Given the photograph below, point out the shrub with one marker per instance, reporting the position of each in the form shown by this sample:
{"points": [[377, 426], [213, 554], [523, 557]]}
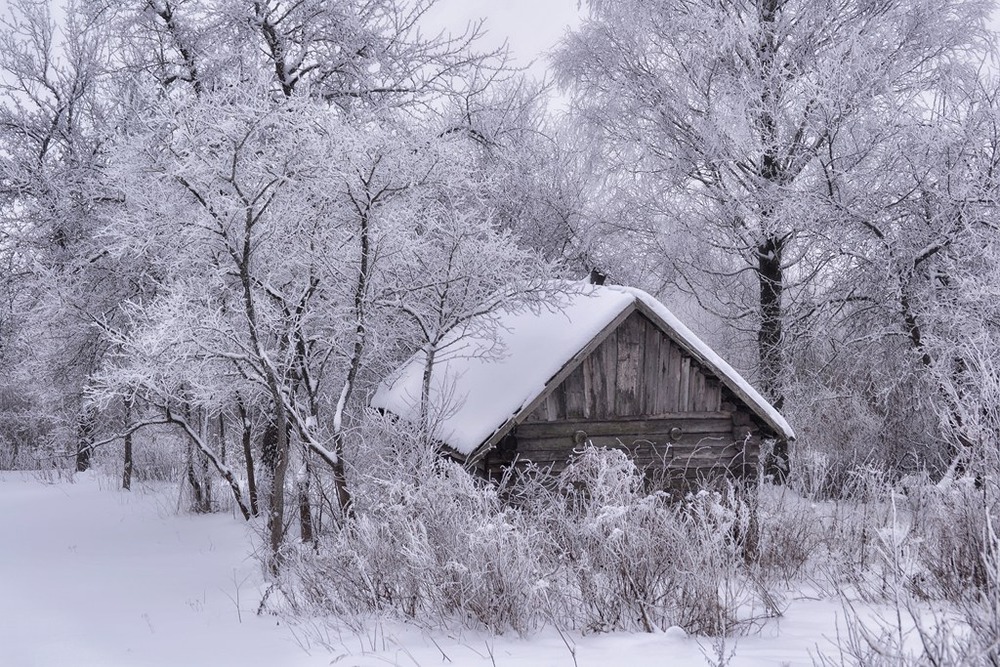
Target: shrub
{"points": [[589, 549]]}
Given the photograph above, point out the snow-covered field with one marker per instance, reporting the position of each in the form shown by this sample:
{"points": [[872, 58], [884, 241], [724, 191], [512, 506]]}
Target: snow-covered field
{"points": [[93, 576]]}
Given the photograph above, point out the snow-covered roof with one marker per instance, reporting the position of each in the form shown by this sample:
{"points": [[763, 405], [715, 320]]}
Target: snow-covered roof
{"points": [[486, 375]]}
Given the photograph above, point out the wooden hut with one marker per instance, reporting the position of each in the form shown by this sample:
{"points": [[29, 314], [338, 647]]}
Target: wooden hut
{"points": [[610, 366]]}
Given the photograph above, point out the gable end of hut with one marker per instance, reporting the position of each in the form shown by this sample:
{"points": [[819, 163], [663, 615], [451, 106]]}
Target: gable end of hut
{"points": [[637, 388]]}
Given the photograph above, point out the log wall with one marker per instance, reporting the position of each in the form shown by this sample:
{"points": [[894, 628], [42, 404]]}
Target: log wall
{"points": [[640, 392], [682, 448], [637, 371]]}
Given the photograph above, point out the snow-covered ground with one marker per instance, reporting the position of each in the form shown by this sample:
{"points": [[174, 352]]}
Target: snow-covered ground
{"points": [[90, 575], [93, 576]]}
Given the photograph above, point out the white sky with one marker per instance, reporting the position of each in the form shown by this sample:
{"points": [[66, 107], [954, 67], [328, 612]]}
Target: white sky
{"points": [[531, 27]]}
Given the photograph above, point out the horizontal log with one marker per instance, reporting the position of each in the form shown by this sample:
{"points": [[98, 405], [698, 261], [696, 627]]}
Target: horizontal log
{"points": [[691, 422], [704, 447], [676, 479], [648, 458], [659, 453], [705, 463], [563, 449], [707, 444], [627, 440], [552, 467], [641, 462]]}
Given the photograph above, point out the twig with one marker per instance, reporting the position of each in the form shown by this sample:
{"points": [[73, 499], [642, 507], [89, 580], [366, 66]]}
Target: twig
{"points": [[444, 655], [489, 650], [569, 647], [263, 600]]}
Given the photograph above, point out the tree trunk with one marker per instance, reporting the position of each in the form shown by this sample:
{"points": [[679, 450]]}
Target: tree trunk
{"points": [[248, 457], [276, 511], [222, 437], [769, 342], [340, 477], [85, 428], [770, 275], [962, 447], [197, 439], [200, 502], [127, 467], [360, 337], [425, 391], [306, 532]]}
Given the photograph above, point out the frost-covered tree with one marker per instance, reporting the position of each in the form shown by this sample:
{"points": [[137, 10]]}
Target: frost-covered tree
{"points": [[456, 272], [220, 208], [357, 56], [922, 252], [734, 128], [249, 247], [535, 186], [288, 242], [55, 122]]}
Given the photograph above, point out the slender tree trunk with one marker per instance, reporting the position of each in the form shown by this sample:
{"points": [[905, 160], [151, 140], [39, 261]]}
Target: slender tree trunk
{"points": [[197, 439], [199, 500], [206, 474], [360, 338], [276, 385], [127, 467], [962, 446], [222, 437], [340, 475], [276, 511], [425, 391], [248, 457], [191, 473], [306, 532], [85, 428]]}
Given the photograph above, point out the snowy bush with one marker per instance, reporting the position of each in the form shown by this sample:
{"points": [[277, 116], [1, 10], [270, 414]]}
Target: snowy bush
{"points": [[785, 532], [635, 561], [954, 524], [907, 629], [588, 550], [427, 542], [591, 550]]}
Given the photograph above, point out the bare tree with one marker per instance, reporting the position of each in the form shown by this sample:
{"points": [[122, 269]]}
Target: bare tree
{"points": [[732, 123], [55, 121]]}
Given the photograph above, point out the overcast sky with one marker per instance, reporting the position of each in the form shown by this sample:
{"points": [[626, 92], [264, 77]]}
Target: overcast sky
{"points": [[531, 27]]}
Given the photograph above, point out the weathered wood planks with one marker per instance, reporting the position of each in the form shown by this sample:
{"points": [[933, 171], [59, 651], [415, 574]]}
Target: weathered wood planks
{"points": [[638, 391], [720, 423], [637, 370]]}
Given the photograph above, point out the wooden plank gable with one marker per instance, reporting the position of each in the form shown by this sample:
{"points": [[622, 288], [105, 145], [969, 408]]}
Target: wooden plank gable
{"points": [[637, 370]]}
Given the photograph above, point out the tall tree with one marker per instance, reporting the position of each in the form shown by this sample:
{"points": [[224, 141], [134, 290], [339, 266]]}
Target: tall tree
{"points": [[728, 120], [55, 123], [922, 232]]}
